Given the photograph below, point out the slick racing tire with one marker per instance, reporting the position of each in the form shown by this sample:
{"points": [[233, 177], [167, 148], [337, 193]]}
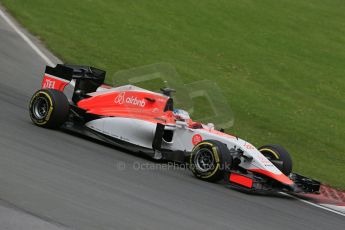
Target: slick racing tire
{"points": [[276, 153], [209, 160], [49, 108]]}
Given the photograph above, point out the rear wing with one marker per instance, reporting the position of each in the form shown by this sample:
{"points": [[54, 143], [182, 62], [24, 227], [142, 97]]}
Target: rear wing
{"points": [[87, 78], [57, 77]]}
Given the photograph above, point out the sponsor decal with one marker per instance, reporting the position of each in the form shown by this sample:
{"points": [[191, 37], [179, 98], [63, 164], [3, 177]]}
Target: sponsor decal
{"points": [[249, 146], [196, 139], [52, 82], [121, 98], [135, 101], [48, 84]]}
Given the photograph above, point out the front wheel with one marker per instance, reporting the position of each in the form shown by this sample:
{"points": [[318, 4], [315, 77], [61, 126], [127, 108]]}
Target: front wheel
{"points": [[209, 160], [49, 108], [279, 156]]}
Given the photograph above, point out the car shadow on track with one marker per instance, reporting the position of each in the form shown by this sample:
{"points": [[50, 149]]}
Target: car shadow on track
{"points": [[178, 164]]}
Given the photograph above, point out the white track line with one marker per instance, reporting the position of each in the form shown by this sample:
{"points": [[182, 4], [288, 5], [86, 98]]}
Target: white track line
{"points": [[25, 38], [49, 62], [313, 204]]}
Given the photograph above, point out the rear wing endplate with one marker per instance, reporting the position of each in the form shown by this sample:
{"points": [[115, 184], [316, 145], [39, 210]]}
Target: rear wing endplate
{"points": [[87, 78]]}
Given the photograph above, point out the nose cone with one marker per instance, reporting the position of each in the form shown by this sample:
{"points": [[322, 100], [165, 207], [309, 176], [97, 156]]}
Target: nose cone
{"points": [[278, 177]]}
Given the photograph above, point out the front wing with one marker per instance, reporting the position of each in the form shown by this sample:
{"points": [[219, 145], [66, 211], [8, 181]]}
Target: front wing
{"points": [[250, 182]]}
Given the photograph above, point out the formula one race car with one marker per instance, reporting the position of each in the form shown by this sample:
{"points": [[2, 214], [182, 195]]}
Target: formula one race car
{"points": [[147, 122]]}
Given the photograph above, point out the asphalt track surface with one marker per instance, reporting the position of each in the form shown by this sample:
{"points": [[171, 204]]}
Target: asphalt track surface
{"points": [[74, 183]]}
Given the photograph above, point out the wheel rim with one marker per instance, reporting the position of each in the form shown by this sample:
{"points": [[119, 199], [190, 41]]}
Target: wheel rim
{"points": [[40, 108], [204, 160]]}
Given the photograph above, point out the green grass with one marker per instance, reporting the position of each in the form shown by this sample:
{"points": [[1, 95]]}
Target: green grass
{"points": [[280, 64]]}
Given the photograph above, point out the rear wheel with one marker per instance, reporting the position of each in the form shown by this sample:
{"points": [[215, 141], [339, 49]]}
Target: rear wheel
{"points": [[49, 108], [209, 160], [279, 156]]}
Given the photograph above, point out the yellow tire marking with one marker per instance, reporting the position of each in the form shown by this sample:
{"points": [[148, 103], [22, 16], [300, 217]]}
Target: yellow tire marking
{"points": [[214, 172], [197, 146], [203, 143], [215, 154], [271, 151], [50, 109]]}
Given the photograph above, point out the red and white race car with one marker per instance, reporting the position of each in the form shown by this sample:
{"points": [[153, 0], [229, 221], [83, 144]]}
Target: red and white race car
{"points": [[146, 122]]}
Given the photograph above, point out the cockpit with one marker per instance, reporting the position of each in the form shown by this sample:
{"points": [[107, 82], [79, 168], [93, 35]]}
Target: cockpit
{"points": [[183, 116]]}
